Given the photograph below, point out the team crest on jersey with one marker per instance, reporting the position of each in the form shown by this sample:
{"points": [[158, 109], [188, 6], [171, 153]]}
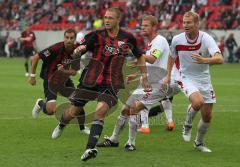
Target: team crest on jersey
{"points": [[120, 43], [46, 53], [82, 41]]}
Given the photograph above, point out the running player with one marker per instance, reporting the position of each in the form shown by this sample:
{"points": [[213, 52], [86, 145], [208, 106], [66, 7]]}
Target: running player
{"points": [[56, 67], [196, 51]]}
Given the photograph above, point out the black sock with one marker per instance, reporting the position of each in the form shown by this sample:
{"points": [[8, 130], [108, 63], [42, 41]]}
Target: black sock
{"points": [[42, 104], [61, 125], [155, 110], [26, 66], [81, 120], [95, 133]]}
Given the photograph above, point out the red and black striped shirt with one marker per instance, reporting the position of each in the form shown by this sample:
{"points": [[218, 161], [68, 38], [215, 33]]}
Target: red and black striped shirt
{"points": [[28, 44], [108, 56], [54, 55]]}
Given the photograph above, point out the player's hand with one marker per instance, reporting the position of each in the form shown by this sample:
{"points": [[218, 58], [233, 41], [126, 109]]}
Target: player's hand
{"points": [[32, 81], [79, 50], [60, 67], [145, 84], [167, 80], [198, 59]]}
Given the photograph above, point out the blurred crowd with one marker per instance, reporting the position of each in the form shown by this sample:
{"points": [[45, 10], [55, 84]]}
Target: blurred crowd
{"points": [[61, 14], [88, 15]]}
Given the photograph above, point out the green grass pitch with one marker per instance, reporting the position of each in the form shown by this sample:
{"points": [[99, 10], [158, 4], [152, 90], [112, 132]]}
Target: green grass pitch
{"points": [[27, 142]]}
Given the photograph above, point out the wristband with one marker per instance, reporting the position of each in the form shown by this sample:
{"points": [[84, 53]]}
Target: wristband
{"points": [[32, 75]]}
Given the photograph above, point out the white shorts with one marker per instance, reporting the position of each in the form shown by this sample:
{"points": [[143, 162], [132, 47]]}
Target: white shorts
{"points": [[150, 98], [189, 86]]}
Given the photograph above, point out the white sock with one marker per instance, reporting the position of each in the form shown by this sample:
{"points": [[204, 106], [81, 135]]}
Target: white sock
{"points": [[167, 106], [132, 129], [201, 131], [121, 121], [191, 113], [144, 118]]}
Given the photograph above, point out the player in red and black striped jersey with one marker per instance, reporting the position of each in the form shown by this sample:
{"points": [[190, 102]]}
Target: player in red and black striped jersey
{"points": [[28, 40], [58, 65], [103, 76]]}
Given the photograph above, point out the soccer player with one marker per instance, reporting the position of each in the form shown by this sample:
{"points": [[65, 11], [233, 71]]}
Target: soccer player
{"points": [[165, 106], [196, 51], [28, 40], [102, 78], [56, 67], [156, 61]]}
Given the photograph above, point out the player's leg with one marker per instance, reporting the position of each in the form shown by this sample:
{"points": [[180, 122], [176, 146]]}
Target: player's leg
{"points": [[26, 59], [121, 122], [122, 119], [81, 122], [106, 101], [134, 123], [189, 88], [203, 125], [69, 85], [133, 126], [144, 121], [74, 111], [48, 107], [95, 131], [71, 113], [27, 53], [167, 106], [197, 102]]}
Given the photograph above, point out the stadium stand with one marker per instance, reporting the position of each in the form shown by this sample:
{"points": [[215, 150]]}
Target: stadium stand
{"points": [[62, 14]]}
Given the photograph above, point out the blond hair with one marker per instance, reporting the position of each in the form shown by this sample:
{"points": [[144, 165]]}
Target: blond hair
{"points": [[117, 10], [153, 20], [193, 14]]}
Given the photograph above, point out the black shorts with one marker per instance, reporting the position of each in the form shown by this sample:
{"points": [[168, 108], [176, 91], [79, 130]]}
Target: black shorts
{"points": [[83, 95], [50, 95], [28, 52]]}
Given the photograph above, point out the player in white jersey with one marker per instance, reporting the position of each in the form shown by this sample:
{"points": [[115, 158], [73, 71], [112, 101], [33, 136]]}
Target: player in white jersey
{"points": [[156, 58], [196, 50], [165, 106]]}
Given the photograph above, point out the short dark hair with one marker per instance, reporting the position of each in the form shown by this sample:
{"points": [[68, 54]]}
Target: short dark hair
{"points": [[70, 30]]}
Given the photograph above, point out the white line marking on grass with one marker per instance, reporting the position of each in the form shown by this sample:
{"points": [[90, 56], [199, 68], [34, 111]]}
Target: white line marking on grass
{"points": [[19, 118], [29, 118]]}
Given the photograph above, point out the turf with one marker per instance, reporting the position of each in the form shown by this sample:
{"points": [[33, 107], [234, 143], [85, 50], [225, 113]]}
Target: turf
{"points": [[27, 142]]}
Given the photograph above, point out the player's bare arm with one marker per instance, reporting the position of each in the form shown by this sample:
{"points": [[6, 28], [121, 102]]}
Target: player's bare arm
{"points": [[80, 49], [66, 71], [142, 65], [32, 79], [170, 64], [215, 59], [150, 58]]}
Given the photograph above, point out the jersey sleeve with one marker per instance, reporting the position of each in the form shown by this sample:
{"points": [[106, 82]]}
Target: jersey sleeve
{"points": [[48, 53], [212, 46], [90, 40], [157, 49], [136, 51]]}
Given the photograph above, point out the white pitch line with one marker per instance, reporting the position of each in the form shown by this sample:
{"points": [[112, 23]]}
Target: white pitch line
{"points": [[19, 118], [29, 118]]}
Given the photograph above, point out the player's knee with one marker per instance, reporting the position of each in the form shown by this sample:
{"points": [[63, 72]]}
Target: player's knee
{"points": [[125, 111], [50, 110], [197, 104]]}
